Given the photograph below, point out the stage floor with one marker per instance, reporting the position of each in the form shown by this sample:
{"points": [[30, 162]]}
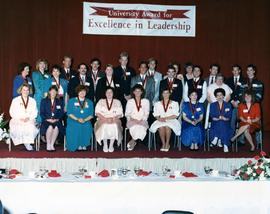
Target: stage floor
{"points": [[141, 151]]}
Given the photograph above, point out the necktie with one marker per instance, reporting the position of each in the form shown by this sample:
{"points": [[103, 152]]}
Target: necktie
{"points": [[212, 80]]}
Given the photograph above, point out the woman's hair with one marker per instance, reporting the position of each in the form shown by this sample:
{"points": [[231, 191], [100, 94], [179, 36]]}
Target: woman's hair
{"points": [[165, 89], [109, 88], [53, 87], [192, 91], [56, 67], [42, 60], [219, 90], [249, 92], [80, 88], [25, 85], [140, 87], [21, 67]]}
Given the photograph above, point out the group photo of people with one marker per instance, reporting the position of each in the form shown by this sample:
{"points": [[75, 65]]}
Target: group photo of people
{"points": [[77, 107]]}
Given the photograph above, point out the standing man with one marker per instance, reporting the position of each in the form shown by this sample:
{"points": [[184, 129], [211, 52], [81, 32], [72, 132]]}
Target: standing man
{"points": [[96, 73], [124, 74], [66, 71], [152, 64], [214, 70]]}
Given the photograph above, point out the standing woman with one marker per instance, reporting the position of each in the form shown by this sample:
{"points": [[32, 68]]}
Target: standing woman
{"points": [[60, 83], [109, 80], [220, 113], [137, 112], [192, 127], [166, 112], [52, 112], [250, 115], [108, 126], [21, 78], [39, 76], [80, 111], [23, 111]]}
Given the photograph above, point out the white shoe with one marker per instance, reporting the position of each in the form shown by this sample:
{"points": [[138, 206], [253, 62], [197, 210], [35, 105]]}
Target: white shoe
{"points": [[28, 147], [80, 148], [225, 148], [111, 149], [214, 141], [84, 148], [105, 147], [219, 144]]}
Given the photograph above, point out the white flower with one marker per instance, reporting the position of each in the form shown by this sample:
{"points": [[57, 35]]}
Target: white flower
{"points": [[249, 170], [255, 167], [254, 174]]}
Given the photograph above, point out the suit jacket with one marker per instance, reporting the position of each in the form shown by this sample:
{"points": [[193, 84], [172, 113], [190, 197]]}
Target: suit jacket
{"points": [[157, 78], [177, 89], [237, 92], [102, 85], [207, 80], [75, 81], [124, 78], [256, 86], [149, 87], [64, 75]]}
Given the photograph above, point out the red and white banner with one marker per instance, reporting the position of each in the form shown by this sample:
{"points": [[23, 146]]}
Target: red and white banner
{"points": [[138, 19]]}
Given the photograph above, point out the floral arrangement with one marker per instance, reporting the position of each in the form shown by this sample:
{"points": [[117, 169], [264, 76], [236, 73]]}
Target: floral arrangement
{"points": [[254, 170], [4, 135]]}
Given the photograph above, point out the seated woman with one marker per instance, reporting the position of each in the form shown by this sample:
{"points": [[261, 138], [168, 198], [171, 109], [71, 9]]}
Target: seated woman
{"points": [[250, 116], [60, 83], [220, 113], [80, 111], [21, 78], [192, 127], [166, 112], [23, 111], [108, 126], [51, 112], [137, 112]]}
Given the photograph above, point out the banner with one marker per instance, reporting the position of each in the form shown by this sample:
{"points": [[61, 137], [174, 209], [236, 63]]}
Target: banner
{"points": [[138, 19]]}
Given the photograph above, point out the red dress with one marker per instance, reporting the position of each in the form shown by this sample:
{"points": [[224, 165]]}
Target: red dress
{"points": [[253, 113]]}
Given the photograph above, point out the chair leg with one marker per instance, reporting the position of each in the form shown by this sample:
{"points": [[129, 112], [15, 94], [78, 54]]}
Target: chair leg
{"points": [[92, 142], [180, 143], [65, 142], [149, 140], [155, 142]]}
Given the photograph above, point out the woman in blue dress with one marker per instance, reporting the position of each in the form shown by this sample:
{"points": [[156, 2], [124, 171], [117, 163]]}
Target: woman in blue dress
{"points": [[192, 127], [220, 114], [21, 78], [80, 111], [60, 83], [39, 76], [52, 112]]}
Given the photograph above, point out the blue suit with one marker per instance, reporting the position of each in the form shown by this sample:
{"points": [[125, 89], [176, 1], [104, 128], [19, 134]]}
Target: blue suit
{"points": [[17, 84]]}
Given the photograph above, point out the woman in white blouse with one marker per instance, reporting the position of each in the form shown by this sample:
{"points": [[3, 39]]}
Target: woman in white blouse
{"points": [[108, 126], [23, 111], [166, 112], [137, 112]]}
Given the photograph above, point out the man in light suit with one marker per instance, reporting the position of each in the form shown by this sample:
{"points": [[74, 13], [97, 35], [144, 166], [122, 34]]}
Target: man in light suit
{"points": [[147, 82], [152, 64]]}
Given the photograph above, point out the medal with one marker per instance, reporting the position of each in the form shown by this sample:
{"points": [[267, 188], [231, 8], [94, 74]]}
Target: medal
{"points": [[25, 104], [192, 109], [138, 105], [109, 106], [221, 109], [57, 83], [53, 104], [81, 105], [109, 83], [144, 81], [165, 107], [170, 85]]}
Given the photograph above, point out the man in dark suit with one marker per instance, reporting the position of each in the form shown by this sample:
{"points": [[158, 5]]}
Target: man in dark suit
{"points": [[175, 85], [146, 81], [81, 79], [124, 74], [214, 70], [66, 71], [235, 82]]}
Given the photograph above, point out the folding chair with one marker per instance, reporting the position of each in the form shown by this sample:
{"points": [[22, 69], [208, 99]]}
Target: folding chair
{"points": [[36, 143]]}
